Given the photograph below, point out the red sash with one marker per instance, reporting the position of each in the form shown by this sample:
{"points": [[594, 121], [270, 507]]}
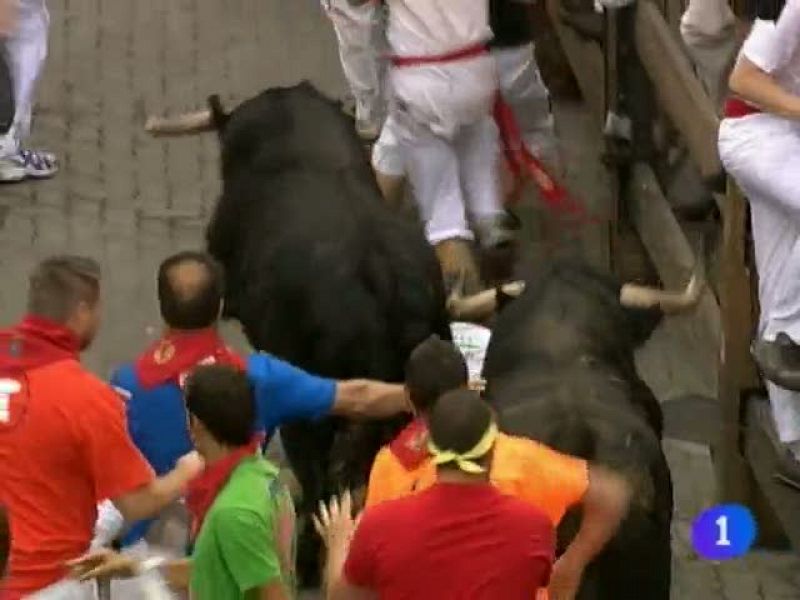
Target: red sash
{"points": [[456, 55], [736, 107], [410, 447], [204, 488], [35, 342], [171, 357]]}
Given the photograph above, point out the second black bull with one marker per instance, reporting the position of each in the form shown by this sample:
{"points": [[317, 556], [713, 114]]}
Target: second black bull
{"points": [[560, 369]]}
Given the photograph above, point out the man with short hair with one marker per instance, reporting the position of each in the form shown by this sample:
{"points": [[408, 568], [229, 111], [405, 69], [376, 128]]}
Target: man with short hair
{"points": [[526, 469], [64, 446], [460, 538], [190, 293], [245, 546]]}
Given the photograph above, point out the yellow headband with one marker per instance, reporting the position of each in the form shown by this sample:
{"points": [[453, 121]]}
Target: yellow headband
{"points": [[465, 461]]}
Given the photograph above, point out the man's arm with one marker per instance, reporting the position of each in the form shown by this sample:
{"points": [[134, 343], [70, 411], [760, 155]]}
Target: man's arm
{"points": [[605, 504], [759, 87], [286, 393], [118, 470], [370, 399], [149, 499]]}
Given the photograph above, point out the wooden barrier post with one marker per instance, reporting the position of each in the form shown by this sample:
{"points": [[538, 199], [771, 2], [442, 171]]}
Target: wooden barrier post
{"points": [[736, 371]]}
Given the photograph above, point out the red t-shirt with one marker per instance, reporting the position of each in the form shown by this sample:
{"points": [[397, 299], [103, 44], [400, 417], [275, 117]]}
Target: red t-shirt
{"points": [[452, 541], [64, 447]]}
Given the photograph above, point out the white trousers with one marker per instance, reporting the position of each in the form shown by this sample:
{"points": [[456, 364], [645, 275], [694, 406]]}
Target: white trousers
{"points": [[524, 90], [762, 152], [360, 33], [455, 181], [26, 51], [708, 31], [447, 141], [522, 87]]}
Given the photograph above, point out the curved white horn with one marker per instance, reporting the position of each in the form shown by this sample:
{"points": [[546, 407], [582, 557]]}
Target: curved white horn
{"points": [[639, 296], [481, 305], [183, 124]]}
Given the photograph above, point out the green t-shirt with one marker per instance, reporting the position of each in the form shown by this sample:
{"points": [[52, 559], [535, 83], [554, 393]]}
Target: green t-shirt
{"points": [[247, 539]]}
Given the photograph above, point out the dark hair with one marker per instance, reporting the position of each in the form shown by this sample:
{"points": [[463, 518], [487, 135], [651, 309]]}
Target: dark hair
{"points": [[221, 397], [190, 303], [60, 283], [434, 367], [458, 420]]}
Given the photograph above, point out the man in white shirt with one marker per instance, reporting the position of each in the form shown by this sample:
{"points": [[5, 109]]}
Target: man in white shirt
{"points": [[759, 143]]}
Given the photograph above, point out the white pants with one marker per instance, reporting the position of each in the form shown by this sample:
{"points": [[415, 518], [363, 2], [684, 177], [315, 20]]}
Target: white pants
{"points": [[361, 36], [455, 180], [524, 90], [708, 31], [440, 116], [522, 87], [26, 50], [762, 152]]}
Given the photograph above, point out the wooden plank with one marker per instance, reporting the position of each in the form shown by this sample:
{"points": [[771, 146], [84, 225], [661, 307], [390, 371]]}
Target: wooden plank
{"points": [[760, 450], [587, 62], [680, 93], [737, 372]]}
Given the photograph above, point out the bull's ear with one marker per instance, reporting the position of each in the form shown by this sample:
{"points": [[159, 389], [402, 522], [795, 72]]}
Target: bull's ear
{"points": [[218, 115]]}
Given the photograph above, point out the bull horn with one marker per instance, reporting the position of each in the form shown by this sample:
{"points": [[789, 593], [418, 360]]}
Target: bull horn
{"points": [[670, 302], [184, 124], [482, 305]]}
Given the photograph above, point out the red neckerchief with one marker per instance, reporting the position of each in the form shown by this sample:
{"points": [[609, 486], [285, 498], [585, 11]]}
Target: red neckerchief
{"points": [[204, 488], [178, 352], [36, 342], [410, 446]]}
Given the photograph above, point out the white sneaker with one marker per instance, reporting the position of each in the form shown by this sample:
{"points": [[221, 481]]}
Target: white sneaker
{"points": [[32, 164]]}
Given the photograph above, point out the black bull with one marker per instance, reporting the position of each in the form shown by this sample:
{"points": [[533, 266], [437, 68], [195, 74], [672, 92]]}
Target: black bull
{"points": [[320, 271], [560, 369]]}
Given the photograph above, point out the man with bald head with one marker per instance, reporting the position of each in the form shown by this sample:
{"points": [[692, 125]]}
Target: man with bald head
{"points": [[190, 293]]}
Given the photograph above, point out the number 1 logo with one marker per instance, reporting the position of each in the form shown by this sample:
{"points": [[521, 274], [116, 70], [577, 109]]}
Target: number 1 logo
{"points": [[724, 531]]}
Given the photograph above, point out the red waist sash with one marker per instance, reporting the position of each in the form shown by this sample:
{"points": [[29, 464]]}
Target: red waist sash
{"points": [[736, 108], [456, 55]]}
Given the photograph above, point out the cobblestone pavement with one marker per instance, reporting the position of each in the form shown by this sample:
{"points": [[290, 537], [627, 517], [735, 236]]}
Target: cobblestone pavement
{"points": [[129, 200]]}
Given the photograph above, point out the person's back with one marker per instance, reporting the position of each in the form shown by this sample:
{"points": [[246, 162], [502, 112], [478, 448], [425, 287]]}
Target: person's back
{"points": [[454, 541], [63, 444], [433, 27], [253, 494]]}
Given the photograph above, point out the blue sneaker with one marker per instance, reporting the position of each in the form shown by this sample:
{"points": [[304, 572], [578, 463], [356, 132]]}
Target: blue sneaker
{"points": [[28, 164]]}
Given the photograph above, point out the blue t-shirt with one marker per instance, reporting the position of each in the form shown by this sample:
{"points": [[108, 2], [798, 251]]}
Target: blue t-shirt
{"points": [[285, 393], [157, 416]]}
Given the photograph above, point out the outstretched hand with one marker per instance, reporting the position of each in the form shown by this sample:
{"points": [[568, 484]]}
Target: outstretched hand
{"points": [[103, 563], [334, 522]]}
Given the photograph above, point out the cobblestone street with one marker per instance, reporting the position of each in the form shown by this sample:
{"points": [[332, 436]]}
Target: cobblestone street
{"points": [[129, 200]]}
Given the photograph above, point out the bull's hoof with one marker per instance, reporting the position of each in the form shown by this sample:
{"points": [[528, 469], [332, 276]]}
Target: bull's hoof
{"points": [[779, 361]]}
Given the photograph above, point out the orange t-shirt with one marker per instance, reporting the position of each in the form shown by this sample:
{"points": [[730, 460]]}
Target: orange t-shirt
{"points": [[528, 470], [64, 447]]}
